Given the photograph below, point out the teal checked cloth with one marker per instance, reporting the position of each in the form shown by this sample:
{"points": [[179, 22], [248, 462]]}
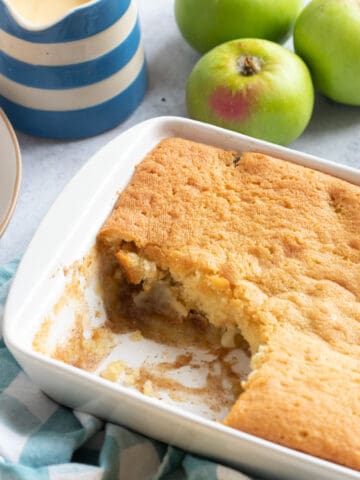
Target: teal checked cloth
{"points": [[41, 440]]}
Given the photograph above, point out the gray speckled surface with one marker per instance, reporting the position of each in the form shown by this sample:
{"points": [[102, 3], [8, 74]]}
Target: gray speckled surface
{"points": [[333, 133]]}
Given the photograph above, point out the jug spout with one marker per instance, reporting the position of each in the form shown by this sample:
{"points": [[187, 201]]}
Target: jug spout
{"points": [[41, 14]]}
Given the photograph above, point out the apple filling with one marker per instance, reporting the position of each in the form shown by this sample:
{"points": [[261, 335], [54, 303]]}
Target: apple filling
{"points": [[138, 294]]}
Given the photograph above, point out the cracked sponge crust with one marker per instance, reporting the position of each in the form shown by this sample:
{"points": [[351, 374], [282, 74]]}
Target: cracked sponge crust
{"points": [[273, 248]]}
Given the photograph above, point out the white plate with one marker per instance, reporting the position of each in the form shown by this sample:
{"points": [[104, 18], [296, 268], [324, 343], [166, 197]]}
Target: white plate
{"points": [[66, 235], [10, 171]]}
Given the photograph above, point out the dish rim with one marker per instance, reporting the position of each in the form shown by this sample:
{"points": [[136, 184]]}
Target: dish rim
{"points": [[6, 219], [68, 370]]}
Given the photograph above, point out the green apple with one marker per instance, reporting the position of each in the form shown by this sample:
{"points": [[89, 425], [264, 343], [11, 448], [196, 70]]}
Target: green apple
{"points": [[254, 87], [327, 37], [207, 23]]}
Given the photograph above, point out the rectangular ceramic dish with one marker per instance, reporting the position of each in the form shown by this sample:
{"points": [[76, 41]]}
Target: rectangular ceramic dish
{"points": [[65, 236]]}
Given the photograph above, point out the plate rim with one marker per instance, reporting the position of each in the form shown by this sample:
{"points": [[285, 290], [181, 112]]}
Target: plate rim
{"points": [[6, 219]]}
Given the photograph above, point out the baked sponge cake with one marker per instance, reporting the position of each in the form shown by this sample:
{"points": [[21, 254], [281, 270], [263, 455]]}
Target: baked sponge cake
{"points": [[258, 244]]}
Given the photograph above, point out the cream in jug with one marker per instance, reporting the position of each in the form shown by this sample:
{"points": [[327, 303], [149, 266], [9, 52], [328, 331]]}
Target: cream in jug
{"points": [[43, 12]]}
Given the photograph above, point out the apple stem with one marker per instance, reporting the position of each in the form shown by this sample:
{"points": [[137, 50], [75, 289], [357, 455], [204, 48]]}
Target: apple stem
{"points": [[249, 65]]}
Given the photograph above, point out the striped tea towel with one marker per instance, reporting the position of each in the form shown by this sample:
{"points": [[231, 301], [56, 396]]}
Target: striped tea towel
{"points": [[41, 440]]}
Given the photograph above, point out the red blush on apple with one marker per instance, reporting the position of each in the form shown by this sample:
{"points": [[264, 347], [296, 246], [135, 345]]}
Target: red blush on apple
{"points": [[229, 105]]}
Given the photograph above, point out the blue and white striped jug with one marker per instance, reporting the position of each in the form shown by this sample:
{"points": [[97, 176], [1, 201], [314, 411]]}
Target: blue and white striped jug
{"points": [[74, 78]]}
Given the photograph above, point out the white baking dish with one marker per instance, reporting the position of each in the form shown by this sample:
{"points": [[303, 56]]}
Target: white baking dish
{"points": [[67, 234]]}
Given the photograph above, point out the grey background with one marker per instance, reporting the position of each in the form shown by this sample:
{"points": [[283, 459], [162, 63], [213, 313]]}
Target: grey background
{"points": [[333, 133]]}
